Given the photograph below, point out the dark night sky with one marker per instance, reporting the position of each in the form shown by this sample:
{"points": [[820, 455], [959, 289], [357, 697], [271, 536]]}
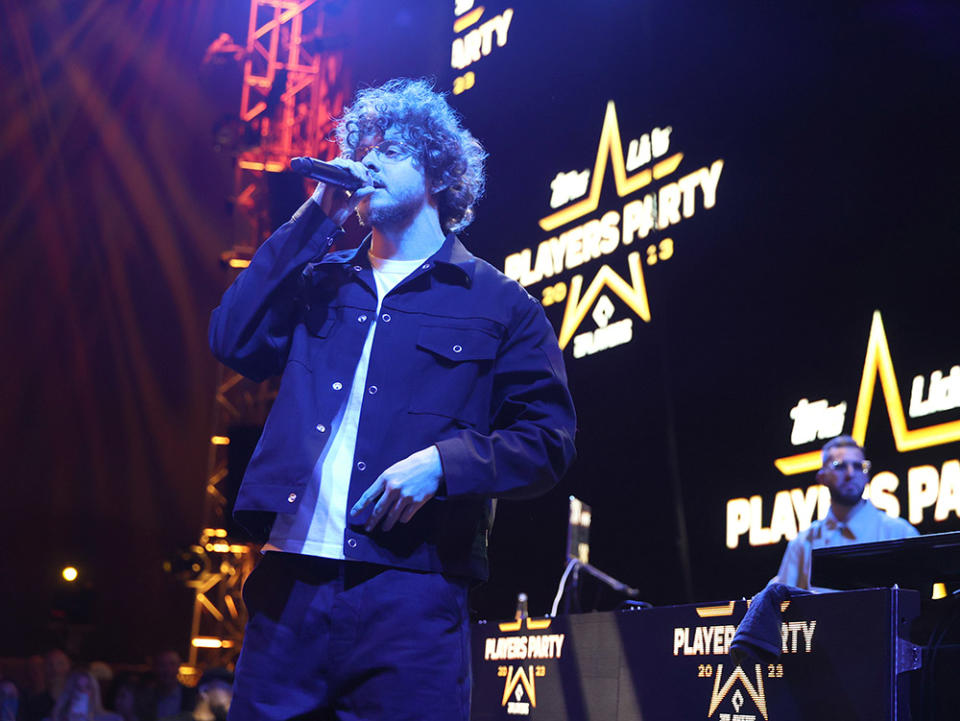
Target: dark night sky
{"points": [[837, 128]]}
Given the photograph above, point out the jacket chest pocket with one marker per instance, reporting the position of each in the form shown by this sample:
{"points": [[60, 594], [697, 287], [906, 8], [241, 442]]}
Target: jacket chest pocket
{"points": [[453, 372], [318, 325]]}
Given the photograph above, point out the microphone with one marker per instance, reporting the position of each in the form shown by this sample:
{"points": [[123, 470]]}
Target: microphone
{"points": [[326, 173]]}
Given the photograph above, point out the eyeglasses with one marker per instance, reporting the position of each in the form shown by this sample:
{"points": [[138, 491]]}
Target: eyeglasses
{"points": [[857, 466], [390, 150]]}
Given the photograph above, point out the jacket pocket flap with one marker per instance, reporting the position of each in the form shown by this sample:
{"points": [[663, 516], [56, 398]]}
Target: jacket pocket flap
{"points": [[319, 321], [458, 344]]}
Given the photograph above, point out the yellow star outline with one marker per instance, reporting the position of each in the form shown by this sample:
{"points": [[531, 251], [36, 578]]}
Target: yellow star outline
{"points": [[524, 678], [533, 624], [610, 147], [726, 609], [756, 693], [634, 294], [878, 363]]}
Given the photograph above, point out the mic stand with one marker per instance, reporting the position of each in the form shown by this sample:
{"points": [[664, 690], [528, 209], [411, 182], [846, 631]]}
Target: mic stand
{"points": [[574, 566]]}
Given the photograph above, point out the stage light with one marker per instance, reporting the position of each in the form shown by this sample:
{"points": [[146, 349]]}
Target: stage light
{"points": [[237, 257], [220, 440], [210, 642], [189, 565], [70, 574]]}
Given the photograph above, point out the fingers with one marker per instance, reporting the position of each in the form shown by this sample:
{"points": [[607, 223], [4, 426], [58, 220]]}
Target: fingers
{"points": [[367, 498], [393, 505], [402, 510], [396, 511], [379, 510], [411, 510]]}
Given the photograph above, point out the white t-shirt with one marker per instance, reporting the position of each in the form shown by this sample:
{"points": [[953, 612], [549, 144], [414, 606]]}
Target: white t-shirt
{"points": [[317, 528]]}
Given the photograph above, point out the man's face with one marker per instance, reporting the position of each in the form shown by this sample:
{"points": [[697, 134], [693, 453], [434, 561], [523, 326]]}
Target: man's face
{"points": [[402, 189], [57, 665], [844, 475]]}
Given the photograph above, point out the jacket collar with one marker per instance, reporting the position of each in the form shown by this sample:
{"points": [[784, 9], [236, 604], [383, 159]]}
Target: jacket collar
{"points": [[858, 521], [451, 254]]}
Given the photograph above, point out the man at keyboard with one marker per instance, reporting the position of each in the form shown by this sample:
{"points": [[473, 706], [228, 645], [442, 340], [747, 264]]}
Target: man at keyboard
{"points": [[851, 519]]}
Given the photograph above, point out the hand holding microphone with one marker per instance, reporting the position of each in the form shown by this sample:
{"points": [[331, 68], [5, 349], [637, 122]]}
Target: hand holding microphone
{"points": [[343, 184]]}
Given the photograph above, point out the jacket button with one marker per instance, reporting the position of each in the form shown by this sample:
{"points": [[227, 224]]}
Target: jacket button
{"points": [[372, 390], [337, 385], [425, 266], [457, 348], [291, 498], [357, 268], [385, 317], [352, 542], [362, 319], [322, 428], [361, 466]]}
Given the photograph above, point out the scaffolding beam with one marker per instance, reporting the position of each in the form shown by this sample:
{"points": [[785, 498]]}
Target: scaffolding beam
{"points": [[293, 88]]}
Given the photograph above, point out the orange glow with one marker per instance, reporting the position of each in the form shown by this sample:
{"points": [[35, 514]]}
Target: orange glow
{"points": [[271, 166], [208, 642], [238, 262], [507, 626], [716, 611], [878, 362], [800, 463], [220, 440], [538, 624], [467, 20], [70, 574]]}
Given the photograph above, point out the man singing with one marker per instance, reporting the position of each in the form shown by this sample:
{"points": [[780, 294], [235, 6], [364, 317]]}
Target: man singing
{"points": [[418, 383]]}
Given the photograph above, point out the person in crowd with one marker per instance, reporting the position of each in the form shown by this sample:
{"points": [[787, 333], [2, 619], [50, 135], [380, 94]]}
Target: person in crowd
{"points": [[166, 696], [851, 519], [9, 699], [102, 672], [80, 700], [124, 697], [418, 384], [57, 667], [36, 678], [47, 678], [214, 694]]}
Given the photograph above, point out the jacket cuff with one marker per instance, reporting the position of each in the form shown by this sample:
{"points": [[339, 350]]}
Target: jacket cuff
{"points": [[456, 461], [322, 230]]}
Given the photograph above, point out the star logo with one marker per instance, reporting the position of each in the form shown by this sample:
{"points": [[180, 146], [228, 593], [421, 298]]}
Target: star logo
{"points": [[754, 690]]}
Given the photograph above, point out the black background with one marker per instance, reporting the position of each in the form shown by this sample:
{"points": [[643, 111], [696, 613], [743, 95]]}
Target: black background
{"points": [[836, 124]]}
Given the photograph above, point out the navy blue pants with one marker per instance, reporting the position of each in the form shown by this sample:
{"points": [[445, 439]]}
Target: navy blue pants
{"points": [[352, 641]]}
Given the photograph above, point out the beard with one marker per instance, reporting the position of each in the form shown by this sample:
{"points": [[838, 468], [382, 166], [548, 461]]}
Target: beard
{"points": [[849, 496], [397, 212]]}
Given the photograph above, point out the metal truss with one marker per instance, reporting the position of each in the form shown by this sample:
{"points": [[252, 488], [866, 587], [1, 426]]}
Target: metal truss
{"points": [[293, 87]]}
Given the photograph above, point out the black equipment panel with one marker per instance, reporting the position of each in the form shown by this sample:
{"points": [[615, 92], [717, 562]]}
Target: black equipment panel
{"points": [[843, 654]]}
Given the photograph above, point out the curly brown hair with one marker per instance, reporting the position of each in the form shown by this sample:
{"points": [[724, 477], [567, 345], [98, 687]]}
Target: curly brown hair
{"points": [[451, 157]]}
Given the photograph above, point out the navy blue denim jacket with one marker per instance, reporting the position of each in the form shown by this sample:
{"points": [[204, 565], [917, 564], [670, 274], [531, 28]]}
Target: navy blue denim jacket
{"points": [[463, 358]]}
